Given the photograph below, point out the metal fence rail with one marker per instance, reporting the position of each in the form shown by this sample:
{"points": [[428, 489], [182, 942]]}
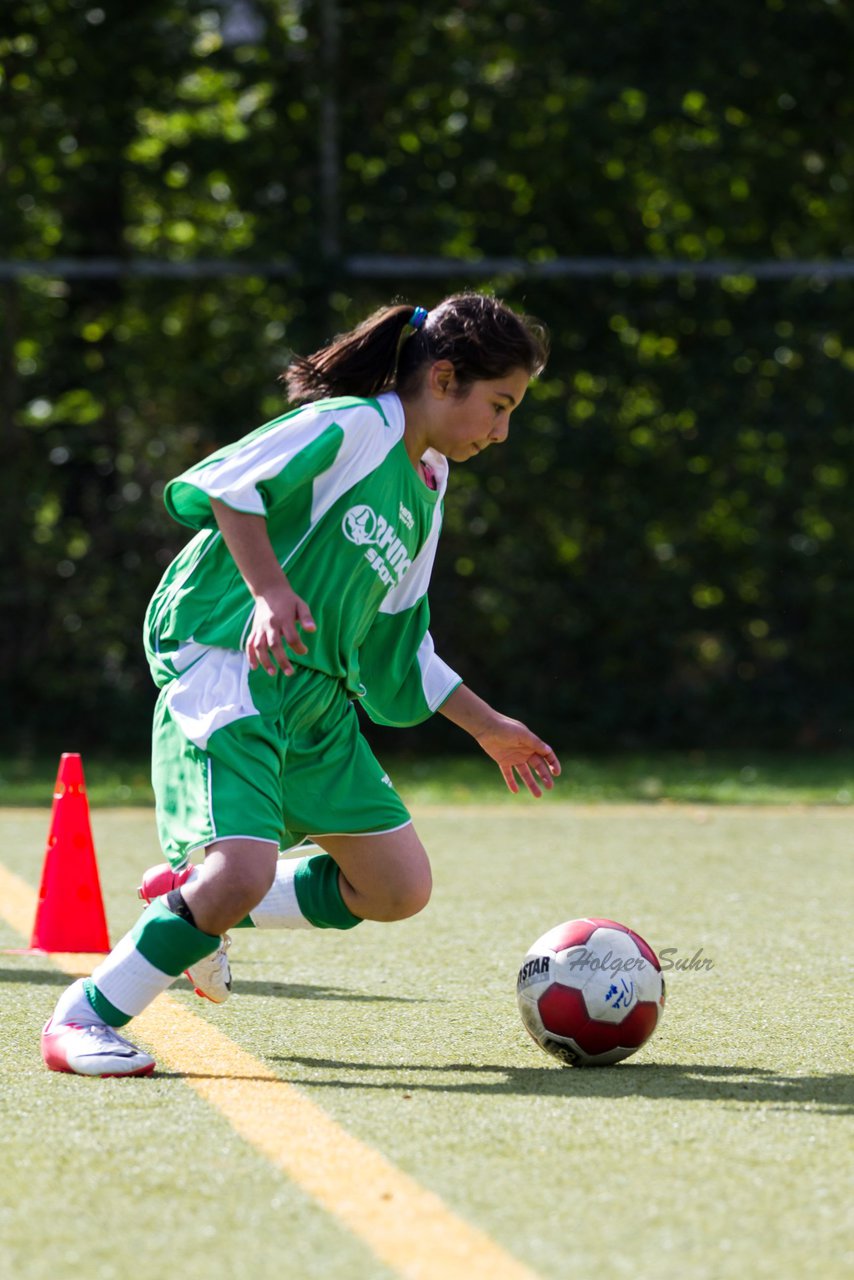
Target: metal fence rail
{"points": [[384, 266]]}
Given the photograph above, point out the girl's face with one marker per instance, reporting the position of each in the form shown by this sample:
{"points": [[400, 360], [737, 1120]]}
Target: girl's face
{"points": [[466, 421]]}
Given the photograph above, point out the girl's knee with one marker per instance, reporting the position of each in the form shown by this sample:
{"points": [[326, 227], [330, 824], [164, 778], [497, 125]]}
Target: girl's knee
{"points": [[234, 879], [406, 899], [386, 877]]}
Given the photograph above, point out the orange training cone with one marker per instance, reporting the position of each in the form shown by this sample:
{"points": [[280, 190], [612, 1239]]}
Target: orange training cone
{"points": [[70, 914]]}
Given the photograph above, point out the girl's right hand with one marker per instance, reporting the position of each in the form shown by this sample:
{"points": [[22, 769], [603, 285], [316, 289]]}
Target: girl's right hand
{"points": [[279, 615]]}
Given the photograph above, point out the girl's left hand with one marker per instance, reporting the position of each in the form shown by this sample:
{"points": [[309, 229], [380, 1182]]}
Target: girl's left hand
{"points": [[517, 750]]}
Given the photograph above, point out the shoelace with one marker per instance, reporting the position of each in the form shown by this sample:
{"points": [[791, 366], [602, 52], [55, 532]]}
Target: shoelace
{"points": [[100, 1032], [217, 957]]}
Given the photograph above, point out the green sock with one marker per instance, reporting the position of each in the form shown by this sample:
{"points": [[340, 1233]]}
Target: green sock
{"points": [[145, 962], [305, 894], [318, 890]]}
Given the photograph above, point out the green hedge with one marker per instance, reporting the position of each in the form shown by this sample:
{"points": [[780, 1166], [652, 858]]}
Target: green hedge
{"points": [[661, 554]]}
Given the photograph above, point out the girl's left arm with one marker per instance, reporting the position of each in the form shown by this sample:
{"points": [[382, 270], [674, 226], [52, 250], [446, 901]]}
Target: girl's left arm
{"points": [[511, 744]]}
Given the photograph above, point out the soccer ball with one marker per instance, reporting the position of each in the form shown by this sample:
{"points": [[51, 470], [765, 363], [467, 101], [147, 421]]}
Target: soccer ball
{"points": [[590, 992]]}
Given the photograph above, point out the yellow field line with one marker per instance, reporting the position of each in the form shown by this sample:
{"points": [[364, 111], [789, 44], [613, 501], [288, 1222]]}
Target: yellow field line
{"points": [[408, 1227]]}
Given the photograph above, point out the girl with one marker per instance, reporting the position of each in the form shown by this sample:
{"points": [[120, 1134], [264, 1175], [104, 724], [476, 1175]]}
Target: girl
{"points": [[303, 592]]}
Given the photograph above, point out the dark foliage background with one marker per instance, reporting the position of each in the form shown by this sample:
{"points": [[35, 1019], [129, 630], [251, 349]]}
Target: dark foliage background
{"points": [[662, 553]]}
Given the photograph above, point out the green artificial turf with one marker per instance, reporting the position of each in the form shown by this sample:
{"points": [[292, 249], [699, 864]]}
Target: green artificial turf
{"points": [[717, 1152]]}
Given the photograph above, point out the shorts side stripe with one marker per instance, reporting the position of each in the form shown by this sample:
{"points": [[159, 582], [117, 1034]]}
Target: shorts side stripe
{"points": [[384, 831], [211, 822]]}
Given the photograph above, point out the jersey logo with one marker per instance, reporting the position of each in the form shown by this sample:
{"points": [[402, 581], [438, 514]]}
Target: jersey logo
{"points": [[360, 525], [385, 552]]}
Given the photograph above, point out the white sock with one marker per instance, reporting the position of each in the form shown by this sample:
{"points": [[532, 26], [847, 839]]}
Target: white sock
{"points": [[73, 1006], [280, 908]]}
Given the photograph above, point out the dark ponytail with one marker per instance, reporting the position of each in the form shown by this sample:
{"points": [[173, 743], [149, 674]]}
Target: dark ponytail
{"points": [[481, 337]]}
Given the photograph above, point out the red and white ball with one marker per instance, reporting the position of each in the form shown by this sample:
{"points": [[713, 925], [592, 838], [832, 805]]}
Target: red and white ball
{"points": [[590, 992]]}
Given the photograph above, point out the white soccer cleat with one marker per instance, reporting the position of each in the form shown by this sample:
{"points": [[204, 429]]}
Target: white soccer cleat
{"points": [[92, 1049], [211, 977]]}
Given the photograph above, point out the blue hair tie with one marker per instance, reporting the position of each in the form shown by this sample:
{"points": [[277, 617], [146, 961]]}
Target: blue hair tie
{"points": [[418, 317]]}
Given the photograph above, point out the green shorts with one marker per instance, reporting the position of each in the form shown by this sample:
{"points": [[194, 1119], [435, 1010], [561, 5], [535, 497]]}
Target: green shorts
{"points": [[240, 753]]}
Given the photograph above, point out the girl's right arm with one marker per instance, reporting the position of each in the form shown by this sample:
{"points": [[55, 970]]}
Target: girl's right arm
{"points": [[279, 611]]}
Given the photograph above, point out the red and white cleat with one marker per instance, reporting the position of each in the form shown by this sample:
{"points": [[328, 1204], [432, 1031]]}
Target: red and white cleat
{"points": [[162, 879], [211, 976], [92, 1049]]}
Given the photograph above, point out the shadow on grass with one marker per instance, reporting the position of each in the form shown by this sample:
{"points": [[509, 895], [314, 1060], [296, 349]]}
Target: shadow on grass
{"points": [[306, 991], [683, 1082], [676, 1081], [36, 977], [687, 1082], [284, 990]]}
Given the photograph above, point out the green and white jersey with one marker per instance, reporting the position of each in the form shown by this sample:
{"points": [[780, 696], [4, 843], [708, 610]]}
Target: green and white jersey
{"points": [[354, 527]]}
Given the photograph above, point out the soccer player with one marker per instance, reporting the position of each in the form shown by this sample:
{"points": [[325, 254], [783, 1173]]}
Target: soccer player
{"points": [[302, 593]]}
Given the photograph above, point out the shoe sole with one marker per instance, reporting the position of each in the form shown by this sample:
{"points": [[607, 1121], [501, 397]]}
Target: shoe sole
{"points": [[202, 994], [103, 1075]]}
